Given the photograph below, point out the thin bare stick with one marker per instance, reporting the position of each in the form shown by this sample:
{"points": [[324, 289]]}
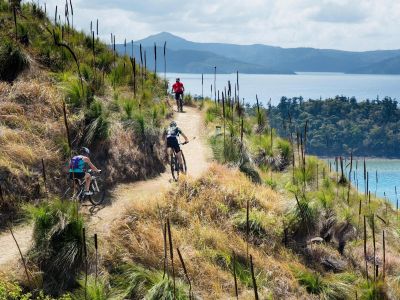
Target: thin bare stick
{"points": [[247, 229], [253, 277], [22, 256], [96, 262], [185, 271], [234, 275], [171, 250], [365, 247]]}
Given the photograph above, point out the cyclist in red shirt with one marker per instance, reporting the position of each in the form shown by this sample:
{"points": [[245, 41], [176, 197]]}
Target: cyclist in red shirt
{"points": [[178, 89]]}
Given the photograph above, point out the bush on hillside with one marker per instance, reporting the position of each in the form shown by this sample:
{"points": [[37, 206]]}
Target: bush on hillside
{"points": [[12, 61], [58, 243], [137, 282]]}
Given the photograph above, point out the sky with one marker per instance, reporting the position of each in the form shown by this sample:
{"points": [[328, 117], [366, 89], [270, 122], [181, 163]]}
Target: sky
{"points": [[334, 24]]}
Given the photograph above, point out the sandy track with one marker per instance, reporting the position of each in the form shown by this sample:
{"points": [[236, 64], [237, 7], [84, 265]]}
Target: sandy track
{"points": [[197, 156]]}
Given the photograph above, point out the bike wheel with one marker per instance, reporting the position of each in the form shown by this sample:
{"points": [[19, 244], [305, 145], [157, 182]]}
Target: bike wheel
{"points": [[184, 167], [174, 167], [97, 198], [98, 194], [72, 193]]}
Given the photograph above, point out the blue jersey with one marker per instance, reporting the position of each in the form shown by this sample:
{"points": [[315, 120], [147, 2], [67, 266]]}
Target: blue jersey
{"points": [[77, 164]]}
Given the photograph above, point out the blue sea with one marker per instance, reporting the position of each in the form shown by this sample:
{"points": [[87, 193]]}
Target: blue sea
{"points": [[307, 85], [383, 176]]}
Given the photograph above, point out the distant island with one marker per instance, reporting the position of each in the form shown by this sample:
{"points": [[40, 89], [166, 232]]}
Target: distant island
{"points": [[185, 56], [341, 125]]}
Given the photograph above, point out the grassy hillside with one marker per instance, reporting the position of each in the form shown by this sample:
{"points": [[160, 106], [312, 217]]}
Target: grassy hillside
{"points": [[109, 108], [266, 219], [283, 227]]}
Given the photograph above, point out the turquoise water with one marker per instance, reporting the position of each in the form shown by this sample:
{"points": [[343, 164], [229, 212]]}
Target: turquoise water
{"points": [[307, 85], [388, 171]]}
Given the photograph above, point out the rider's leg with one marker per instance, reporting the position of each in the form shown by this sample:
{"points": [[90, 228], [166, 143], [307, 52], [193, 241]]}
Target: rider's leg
{"points": [[88, 178], [169, 151]]}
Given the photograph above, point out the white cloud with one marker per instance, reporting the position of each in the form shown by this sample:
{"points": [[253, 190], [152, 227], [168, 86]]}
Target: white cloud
{"points": [[339, 24]]}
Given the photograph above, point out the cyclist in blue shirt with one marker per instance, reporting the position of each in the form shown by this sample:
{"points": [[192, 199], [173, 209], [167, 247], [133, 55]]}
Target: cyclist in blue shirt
{"points": [[79, 167]]}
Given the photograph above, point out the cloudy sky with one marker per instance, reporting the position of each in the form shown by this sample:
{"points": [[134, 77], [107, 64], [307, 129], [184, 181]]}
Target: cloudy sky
{"points": [[338, 24]]}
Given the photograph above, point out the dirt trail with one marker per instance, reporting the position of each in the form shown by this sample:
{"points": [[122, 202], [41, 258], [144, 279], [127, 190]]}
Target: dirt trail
{"points": [[197, 157]]}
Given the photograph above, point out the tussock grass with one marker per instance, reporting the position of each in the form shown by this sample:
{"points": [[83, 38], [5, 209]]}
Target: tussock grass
{"points": [[207, 224], [12, 60], [58, 243]]}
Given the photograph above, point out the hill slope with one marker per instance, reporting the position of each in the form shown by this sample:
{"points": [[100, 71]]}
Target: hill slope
{"points": [[197, 61], [283, 59], [106, 109]]}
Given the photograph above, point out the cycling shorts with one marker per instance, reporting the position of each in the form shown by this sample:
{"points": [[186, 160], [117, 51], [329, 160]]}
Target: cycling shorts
{"points": [[76, 175], [172, 142]]}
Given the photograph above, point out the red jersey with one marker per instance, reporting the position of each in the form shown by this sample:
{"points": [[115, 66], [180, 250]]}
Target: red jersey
{"points": [[177, 87]]}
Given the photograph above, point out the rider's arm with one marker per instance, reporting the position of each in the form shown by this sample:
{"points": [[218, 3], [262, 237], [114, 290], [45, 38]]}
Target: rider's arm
{"points": [[185, 137], [91, 165]]}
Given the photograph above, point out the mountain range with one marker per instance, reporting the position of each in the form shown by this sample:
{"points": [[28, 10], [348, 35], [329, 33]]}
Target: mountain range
{"points": [[185, 56]]}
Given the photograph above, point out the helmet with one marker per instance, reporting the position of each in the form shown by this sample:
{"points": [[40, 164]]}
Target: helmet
{"points": [[172, 124], [85, 151], [178, 79]]}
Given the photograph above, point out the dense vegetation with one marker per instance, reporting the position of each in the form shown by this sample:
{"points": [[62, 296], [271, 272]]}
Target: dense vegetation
{"points": [[112, 105], [342, 125]]}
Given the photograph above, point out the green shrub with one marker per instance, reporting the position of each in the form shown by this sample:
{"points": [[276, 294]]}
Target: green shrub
{"points": [[128, 105], [12, 61], [74, 93], [98, 125], [340, 286], [4, 6], [104, 61], [23, 35], [136, 282], [87, 72], [188, 100], [58, 243], [257, 222], [272, 183], [212, 113], [285, 150], [95, 290]]}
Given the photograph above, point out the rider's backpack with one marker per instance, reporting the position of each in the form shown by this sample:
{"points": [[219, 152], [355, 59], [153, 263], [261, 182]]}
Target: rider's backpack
{"points": [[76, 164]]}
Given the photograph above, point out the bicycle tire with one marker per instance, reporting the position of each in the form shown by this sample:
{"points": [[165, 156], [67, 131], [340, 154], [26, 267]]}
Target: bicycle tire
{"points": [[184, 163], [174, 169], [70, 195], [97, 198]]}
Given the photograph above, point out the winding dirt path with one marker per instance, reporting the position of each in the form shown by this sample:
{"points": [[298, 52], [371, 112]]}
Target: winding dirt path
{"points": [[197, 156]]}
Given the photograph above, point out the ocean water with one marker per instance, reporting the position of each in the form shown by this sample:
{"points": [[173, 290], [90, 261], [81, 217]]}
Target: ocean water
{"points": [[383, 176], [307, 85]]}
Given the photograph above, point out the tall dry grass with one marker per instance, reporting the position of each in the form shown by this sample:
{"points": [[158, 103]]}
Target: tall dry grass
{"points": [[203, 214]]}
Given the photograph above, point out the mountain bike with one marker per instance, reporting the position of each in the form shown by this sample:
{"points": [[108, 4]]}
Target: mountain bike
{"points": [[174, 164], [77, 190]]}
